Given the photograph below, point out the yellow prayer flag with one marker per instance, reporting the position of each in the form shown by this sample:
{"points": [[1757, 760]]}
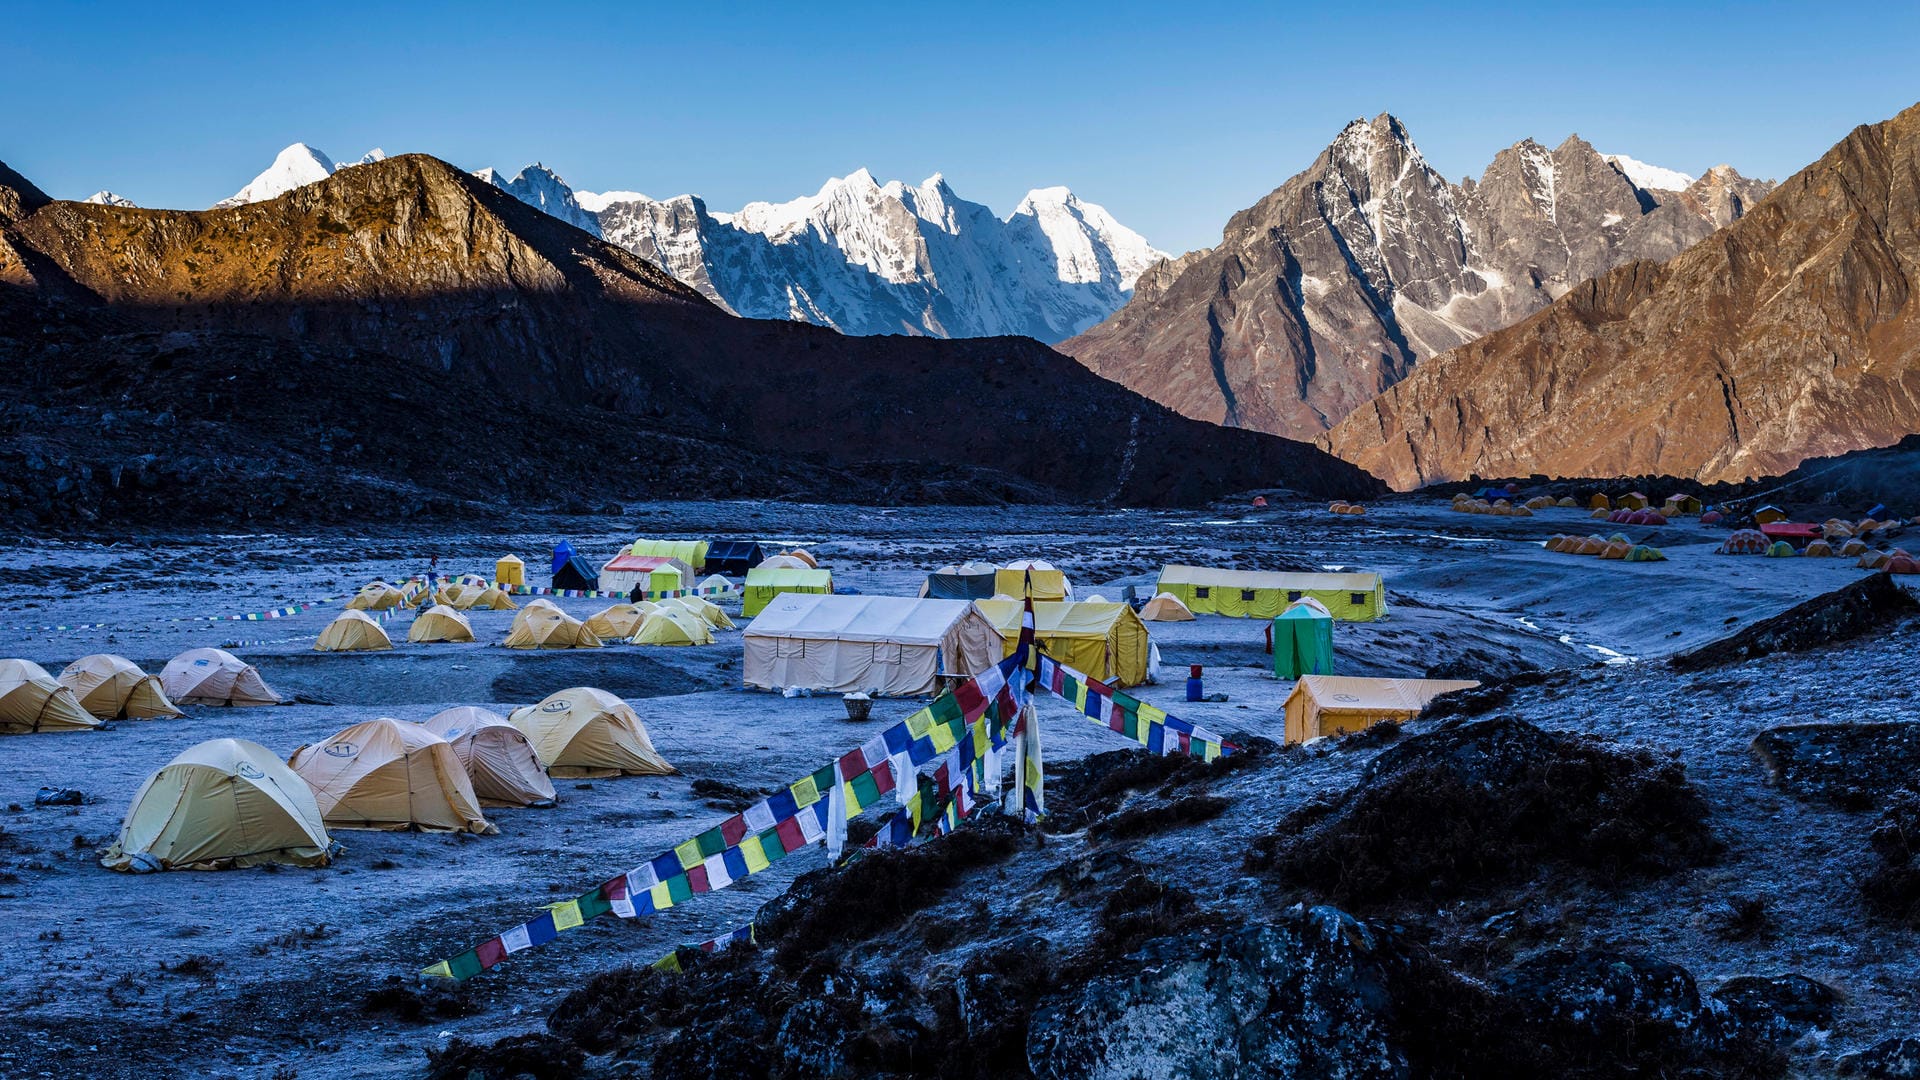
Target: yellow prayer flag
{"points": [[437, 971], [756, 856], [566, 914], [688, 852], [805, 792], [942, 736], [662, 897], [919, 722]]}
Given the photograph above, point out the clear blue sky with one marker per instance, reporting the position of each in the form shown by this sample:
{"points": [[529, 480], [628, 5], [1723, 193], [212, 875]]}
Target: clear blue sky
{"points": [[1173, 115]]}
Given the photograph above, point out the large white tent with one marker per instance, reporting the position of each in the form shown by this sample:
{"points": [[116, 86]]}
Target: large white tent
{"points": [[893, 644]]}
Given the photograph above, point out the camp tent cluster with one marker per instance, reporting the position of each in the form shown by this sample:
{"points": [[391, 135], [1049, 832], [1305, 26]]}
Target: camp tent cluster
{"points": [[1499, 507], [1605, 547]]}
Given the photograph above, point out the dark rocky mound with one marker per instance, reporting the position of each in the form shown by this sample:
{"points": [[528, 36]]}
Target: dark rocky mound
{"points": [[1851, 766], [1892, 888], [518, 1057], [1892, 1059], [1484, 803], [1851, 611]]}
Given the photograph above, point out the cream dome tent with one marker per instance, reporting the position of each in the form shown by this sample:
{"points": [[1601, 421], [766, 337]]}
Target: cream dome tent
{"points": [[588, 732], [222, 804], [671, 624], [1047, 582], [715, 585], [1165, 607], [376, 596], [440, 623], [214, 677], [781, 562], [804, 556], [542, 625], [896, 645], [353, 631], [113, 688], [387, 775], [497, 756], [618, 620], [704, 608], [1338, 704], [1105, 641], [32, 700]]}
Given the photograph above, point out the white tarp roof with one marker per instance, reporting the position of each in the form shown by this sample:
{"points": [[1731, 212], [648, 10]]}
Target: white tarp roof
{"points": [[827, 617]]}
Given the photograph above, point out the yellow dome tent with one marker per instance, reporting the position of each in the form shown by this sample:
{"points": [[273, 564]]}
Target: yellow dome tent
{"points": [[1165, 607], [214, 677], [489, 599], [376, 596], [497, 756], [1323, 705], [114, 688], [1105, 641], [586, 732], [440, 623], [671, 624], [618, 620], [706, 609], [32, 700], [222, 804], [542, 625], [386, 775], [1567, 501], [353, 631]]}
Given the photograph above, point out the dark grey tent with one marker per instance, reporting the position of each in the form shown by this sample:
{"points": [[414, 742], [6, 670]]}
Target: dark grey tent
{"points": [[973, 581], [578, 573], [733, 556]]}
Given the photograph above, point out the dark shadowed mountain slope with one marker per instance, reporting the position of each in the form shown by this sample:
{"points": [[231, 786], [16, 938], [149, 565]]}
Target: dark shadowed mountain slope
{"points": [[1791, 333], [472, 310]]}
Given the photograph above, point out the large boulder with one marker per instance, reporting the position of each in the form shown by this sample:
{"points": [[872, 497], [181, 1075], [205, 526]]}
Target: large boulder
{"points": [[1845, 613], [1487, 802], [1892, 888]]}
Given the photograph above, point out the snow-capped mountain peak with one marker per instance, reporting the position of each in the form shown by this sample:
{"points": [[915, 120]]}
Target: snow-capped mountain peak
{"points": [[543, 189], [108, 198], [596, 201], [295, 167], [1649, 177]]}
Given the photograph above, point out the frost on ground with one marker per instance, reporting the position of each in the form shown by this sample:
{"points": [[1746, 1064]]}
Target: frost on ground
{"points": [[1739, 941]]}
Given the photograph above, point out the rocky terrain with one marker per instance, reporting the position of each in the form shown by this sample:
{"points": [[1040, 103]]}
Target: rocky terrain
{"points": [[406, 336], [1790, 334], [1332, 288]]}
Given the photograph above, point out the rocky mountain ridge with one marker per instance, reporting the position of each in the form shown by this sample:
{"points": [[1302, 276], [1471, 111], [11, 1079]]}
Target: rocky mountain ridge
{"points": [[525, 343], [1791, 333], [1337, 284]]}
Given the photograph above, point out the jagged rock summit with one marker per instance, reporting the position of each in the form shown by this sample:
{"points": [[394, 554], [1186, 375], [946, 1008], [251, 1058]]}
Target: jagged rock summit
{"points": [[1337, 284], [1791, 333]]}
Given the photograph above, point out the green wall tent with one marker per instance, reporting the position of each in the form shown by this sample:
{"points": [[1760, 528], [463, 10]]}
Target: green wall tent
{"points": [[764, 583], [691, 552], [1302, 642], [967, 581], [1259, 594]]}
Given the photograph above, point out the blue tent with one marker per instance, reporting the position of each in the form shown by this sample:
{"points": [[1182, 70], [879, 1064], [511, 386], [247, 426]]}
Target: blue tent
{"points": [[571, 571], [562, 555]]}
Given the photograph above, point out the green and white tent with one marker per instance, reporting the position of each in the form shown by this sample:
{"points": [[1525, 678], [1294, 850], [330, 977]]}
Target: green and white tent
{"points": [[1303, 640]]}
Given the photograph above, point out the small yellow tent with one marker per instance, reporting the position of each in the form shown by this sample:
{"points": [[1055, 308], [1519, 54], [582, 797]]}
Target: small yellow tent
{"points": [[1165, 607], [1035, 577], [214, 677], [1259, 594], [765, 582], [671, 624], [618, 620], [440, 623], [497, 756], [32, 700], [114, 688], [706, 609], [587, 732], [1600, 502], [492, 599], [1105, 641], [542, 625], [376, 596], [1566, 501], [387, 775], [353, 631], [1337, 704], [510, 571], [222, 804]]}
